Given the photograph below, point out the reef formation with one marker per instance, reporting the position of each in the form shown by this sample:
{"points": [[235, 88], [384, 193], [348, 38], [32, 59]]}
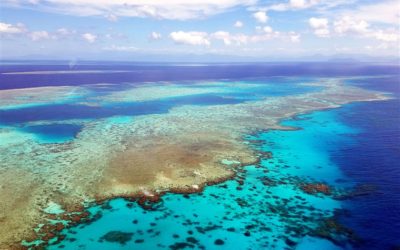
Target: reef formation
{"points": [[179, 151]]}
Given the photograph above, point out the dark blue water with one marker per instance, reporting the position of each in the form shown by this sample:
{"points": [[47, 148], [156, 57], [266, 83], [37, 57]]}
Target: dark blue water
{"points": [[75, 111], [50, 133], [139, 73], [374, 160]]}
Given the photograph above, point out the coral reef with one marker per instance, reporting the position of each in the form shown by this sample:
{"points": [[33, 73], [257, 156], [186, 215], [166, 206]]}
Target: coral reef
{"points": [[313, 188], [179, 151], [117, 236]]}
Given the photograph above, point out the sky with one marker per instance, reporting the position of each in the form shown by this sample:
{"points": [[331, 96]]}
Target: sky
{"points": [[142, 30]]}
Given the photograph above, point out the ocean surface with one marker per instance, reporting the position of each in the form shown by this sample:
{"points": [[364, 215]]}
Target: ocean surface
{"points": [[354, 149]]}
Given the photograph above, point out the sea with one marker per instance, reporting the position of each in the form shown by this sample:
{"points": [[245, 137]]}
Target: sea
{"points": [[355, 149]]}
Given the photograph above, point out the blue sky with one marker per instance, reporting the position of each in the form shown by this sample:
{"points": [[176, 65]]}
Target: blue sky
{"points": [[158, 29]]}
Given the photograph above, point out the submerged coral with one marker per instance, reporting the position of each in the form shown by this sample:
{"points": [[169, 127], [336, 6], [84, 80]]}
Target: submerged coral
{"points": [[117, 236], [179, 151]]}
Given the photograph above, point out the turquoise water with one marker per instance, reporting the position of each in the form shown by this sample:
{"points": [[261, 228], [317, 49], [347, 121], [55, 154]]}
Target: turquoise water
{"points": [[269, 210], [307, 151]]}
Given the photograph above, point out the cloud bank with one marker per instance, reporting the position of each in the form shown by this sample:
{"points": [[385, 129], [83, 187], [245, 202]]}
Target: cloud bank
{"points": [[159, 9]]}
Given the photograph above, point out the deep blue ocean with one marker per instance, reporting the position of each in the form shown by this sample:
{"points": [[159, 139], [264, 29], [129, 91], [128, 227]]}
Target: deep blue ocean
{"points": [[374, 159], [362, 140]]}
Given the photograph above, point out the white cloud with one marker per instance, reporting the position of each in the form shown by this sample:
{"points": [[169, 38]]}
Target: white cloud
{"points": [[322, 32], [347, 25], [224, 36], [318, 23], [190, 38], [160, 9], [267, 33], [39, 35], [10, 30], [382, 12], [261, 16], [266, 36], [203, 38], [294, 37], [350, 25], [267, 29], [299, 4], [90, 38], [6, 28], [64, 32], [238, 24], [320, 26], [294, 5], [386, 36], [228, 39], [155, 36]]}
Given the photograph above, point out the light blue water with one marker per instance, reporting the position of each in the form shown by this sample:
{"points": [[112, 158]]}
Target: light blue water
{"points": [[307, 151], [268, 211]]}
